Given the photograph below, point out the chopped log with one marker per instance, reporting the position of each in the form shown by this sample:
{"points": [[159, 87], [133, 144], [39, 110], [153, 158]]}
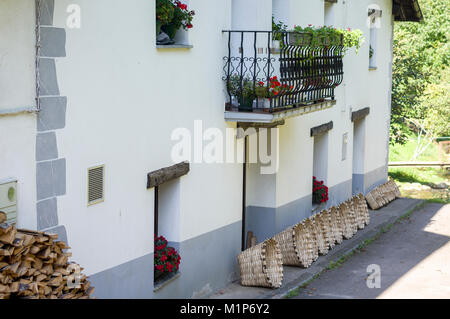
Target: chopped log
{"points": [[3, 217], [166, 174]]}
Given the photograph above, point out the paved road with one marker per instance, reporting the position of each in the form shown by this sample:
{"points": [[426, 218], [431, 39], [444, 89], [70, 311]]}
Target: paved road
{"points": [[413, 259]]}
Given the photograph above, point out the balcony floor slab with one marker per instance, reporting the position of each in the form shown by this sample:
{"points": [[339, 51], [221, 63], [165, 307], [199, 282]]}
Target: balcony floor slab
{"points": [[266, 117]]}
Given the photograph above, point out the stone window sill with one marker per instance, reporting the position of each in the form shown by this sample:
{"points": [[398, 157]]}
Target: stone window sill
{"points": [[163, 282], [174, 46], [372, 68]]}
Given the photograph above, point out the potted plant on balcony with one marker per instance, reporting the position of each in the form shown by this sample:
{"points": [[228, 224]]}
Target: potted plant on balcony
{"points": [[182, 18], [265, 93], [166, 260], [242, 93], [164, 14], [277, 31]]}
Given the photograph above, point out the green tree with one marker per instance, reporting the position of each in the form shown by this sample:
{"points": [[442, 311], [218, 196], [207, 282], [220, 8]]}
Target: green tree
{"points": [[420, 98]]}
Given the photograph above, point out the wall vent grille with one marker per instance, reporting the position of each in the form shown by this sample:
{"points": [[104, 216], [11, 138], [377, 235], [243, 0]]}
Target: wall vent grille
{"points": [[96, 183]]}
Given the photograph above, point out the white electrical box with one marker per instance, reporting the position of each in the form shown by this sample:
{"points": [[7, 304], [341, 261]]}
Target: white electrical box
{"points": [[8, 201]]}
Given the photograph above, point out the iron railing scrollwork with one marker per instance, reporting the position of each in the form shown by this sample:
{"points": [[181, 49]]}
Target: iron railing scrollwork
{"points": [[259, 77]]}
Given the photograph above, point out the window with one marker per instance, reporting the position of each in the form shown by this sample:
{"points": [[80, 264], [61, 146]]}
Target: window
{"points": [[374, 15], [320, 159]]}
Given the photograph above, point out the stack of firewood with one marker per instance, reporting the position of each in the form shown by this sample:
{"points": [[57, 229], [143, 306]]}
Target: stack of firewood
{"points": [[34, 265]]}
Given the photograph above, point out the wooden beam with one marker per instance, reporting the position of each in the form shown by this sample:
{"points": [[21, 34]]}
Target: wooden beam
{"points": [[357, 115], [166, 174], [321, 129]]}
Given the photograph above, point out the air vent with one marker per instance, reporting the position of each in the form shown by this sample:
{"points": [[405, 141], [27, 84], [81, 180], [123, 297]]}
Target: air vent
{"points": [[96, 179]]}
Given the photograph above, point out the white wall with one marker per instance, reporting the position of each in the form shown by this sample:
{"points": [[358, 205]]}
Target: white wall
{"points": [[125, 97], [17, 54], [17, 90]]}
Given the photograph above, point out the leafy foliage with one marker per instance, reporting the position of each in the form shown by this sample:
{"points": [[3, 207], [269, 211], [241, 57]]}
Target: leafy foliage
{"points": [[421, 74], [323, 35]]}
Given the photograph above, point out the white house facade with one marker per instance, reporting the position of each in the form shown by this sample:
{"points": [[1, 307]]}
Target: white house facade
{"points": [[90, 105]]}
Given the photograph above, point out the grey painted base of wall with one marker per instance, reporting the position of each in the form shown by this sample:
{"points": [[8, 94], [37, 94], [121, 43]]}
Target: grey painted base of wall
{"points": [[265, 222], [364, 183], [208, 263]]}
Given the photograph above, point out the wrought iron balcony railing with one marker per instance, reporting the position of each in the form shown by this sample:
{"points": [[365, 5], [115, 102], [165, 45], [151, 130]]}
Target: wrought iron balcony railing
{"points": [[269, 71]]}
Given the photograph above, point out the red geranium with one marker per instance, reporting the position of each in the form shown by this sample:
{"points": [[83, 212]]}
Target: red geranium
{"points": [[166, 258], [320, 192]]}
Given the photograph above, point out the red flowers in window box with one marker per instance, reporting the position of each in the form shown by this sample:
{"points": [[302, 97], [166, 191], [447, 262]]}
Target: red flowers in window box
{"points": [[167, 259], [320, 192]]}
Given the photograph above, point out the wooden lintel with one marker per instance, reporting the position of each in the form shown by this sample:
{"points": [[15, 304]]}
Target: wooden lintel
{"points": [[360, 114], [318, 130], [246, 125], [166, 174]]}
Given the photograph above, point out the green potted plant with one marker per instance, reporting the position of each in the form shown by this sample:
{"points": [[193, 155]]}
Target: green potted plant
{"points": [[164, 14], [277, 33], [182, 18], [242, 93]]}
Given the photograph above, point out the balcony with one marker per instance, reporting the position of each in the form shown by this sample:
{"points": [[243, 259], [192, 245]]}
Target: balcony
{"points": [[273, 75]]}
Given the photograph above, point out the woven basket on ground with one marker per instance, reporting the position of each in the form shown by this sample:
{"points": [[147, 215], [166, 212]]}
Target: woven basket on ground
{"points": [[323, 219], [396, 189], [364, 209], [310, 227], [336, 225], [359, 213], [379, 197], [393, 186], [296, 246], [261, 265], [351, 215], [347, 229], [320, 232], [372, 201]]}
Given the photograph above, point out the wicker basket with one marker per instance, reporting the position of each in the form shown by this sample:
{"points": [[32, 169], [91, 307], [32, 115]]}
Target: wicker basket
{"points": [[324, 219], [347, 229], [364, 209], [351, 216], [359, 211], [336, 225], [372, 201], [261, 265], [310, 227], [296, 245], [321, 233], [397, 192]]}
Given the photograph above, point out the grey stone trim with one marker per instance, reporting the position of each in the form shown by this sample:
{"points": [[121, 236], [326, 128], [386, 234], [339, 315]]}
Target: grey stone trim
{"points": [[51, 179], [199, 277], [318, 130], [46, 148], [48, 79], [52, 115], [360, 114], [47, 213], [53, 42], [60, 231], [50, 171], [46, 12]]}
